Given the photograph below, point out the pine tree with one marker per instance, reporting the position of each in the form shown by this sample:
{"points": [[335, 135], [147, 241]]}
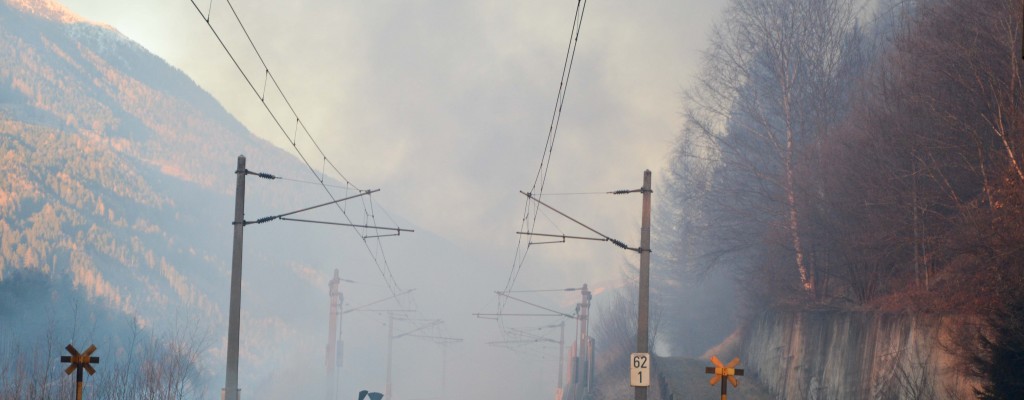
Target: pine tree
{"points": [[1002, 355]]}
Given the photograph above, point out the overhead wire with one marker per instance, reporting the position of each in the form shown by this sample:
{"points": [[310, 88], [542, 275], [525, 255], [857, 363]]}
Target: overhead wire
{"points": [[575, 193], [530, 211], [545, 290], [314, 183], [380, 261], [560, 102]]}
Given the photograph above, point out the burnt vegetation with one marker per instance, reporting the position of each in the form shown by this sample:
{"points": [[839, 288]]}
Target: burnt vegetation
{"points": [[839, 158]]}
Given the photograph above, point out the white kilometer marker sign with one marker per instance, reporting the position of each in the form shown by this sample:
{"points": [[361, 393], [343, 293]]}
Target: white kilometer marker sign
{"points": [[640, 369]]}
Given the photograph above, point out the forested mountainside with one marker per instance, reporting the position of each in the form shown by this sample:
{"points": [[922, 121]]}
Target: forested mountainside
{"points": [[857, 161], [110, 156], [116, 195], [844, 158]]}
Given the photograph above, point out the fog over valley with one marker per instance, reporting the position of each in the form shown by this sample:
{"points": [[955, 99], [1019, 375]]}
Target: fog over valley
{"points": [[794, 199]]}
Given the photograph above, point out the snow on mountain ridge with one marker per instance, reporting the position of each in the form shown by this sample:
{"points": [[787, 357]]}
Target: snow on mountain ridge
{"points": [[51, 10], [106, 38]]}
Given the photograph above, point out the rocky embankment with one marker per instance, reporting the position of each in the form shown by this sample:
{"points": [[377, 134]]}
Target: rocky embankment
{"points": [[855, 355]]}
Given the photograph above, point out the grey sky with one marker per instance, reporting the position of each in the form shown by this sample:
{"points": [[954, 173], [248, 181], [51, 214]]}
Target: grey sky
{"points": [[445, 105]]}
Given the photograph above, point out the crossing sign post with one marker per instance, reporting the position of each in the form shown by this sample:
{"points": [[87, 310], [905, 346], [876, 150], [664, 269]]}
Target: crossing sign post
{"points": [[724, 373], [79, 362], [640, 370]]}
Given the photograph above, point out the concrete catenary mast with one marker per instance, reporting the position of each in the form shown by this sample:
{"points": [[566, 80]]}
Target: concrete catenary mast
{"points": [[334, 344], [581, 354]]}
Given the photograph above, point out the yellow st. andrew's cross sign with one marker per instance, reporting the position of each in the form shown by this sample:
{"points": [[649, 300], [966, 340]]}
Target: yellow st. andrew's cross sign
{"points": [[729, 372], [79, 362]]}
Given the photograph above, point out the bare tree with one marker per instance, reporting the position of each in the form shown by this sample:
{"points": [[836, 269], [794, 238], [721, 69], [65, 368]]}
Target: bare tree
{"points": [[142, 366], [163, 366], [615, 334], [927, 165], [774, 86]]}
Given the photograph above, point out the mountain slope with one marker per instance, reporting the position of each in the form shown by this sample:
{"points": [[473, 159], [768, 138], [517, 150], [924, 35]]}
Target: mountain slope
{"points": [[117, 187]]}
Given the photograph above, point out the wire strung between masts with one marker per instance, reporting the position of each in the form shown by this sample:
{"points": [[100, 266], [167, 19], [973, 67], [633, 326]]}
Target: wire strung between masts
{"points": [[530, 210], [380, 261]]}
